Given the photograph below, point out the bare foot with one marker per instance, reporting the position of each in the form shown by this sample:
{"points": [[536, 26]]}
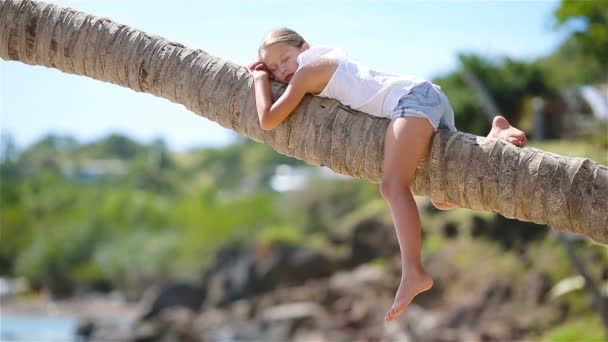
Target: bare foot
{"points": [[502, 129], [410, 286], [444, 206]]}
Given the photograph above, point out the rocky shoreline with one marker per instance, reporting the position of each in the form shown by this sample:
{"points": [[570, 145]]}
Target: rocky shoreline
{"points": [[294, 293], [96, 306], [350, 305], [280, 291]]}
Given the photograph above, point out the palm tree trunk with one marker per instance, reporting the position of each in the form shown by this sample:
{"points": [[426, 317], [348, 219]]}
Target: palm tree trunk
{"points": [[569, 194]]}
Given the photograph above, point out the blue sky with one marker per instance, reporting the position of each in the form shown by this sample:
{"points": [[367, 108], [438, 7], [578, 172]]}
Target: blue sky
{"points": [[413, 37]]}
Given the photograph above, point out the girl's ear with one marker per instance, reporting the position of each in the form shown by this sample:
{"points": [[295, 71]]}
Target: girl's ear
{"points": [[305, 47]]}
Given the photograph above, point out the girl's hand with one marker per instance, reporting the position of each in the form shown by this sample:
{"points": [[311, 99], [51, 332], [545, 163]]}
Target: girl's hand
{"points": [[258, 69]]}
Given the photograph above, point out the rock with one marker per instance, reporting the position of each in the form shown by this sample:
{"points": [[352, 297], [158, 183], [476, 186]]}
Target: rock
{"points": [[371, 239], [362, 276], [470, 314], [449, 229], [243, 309], [144, 331], [293, 311], [397, 332], [235, 275], [500, 331], [422, 322], [235, 281], [179, 322], [538, 287], [290, 265], [179, 294], [479, 227], [85, 329], [307, 336], [464, 315], [173, 324], [510, 233], [211, 319], [286, 319], [496, 293], [230, 276]]}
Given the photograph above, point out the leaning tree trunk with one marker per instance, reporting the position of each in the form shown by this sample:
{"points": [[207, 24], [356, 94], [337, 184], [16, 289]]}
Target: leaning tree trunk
{"points": [[569, 194]]}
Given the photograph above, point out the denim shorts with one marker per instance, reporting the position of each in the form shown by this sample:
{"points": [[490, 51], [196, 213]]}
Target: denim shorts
{"points": [[426, 100]]}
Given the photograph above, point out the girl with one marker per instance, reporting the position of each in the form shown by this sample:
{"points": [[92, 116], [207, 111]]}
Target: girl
{"points": [[417, 108]]}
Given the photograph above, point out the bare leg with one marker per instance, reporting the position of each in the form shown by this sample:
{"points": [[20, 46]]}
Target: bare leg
{"points": [[405, 143], [501, 129]]}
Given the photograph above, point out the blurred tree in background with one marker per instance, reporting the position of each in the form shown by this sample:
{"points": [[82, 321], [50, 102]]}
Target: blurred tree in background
{"points": [[118, 211], [510, 84], [590, 20]]}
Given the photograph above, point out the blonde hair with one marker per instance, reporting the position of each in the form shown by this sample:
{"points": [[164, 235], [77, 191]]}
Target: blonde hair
{"points": [[281, 35]]}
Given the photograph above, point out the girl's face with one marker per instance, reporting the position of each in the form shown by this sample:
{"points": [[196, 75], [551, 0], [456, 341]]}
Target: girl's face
{"points": [[282, 60]]}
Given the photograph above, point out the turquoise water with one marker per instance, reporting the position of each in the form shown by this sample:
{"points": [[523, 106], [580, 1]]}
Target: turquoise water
{"points": [[37, 328]]}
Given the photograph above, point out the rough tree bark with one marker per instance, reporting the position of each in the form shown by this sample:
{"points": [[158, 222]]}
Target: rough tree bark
{"points": [[569, 194]]}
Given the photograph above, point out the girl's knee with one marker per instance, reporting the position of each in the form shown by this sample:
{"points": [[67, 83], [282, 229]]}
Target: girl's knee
{"points": [[391, 187]]}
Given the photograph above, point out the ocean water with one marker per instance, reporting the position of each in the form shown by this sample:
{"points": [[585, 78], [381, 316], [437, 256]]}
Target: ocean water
{"points": [[37, 328]]}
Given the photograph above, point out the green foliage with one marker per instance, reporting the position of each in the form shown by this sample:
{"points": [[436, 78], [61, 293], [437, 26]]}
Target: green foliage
{"points": [[274, 233], [51, 258], [591, 19], [119, 211], [432, 244], [114, 146], [140, 256], [582, 59], [584, 328], [324, 203], [596, 149], [13, 222], [244, 164], [509, 83], [568, 66], [207, 221], [468, 114]]}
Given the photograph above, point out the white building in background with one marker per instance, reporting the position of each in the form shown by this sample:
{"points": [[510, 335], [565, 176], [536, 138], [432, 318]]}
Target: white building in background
{"points": [[93, 169], [597, 99], [10, 287], [289, 178]]}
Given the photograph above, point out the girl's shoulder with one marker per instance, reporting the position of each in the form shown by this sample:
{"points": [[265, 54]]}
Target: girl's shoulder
{"points": [[315, 76], [320, 52]]}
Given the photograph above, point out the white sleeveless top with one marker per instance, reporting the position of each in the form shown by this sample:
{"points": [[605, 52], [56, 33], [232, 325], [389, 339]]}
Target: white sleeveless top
{"points": [[358, 86]]}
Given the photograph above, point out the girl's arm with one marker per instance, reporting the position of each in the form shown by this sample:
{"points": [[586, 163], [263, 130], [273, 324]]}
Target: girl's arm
{"points": [[273, 114]]}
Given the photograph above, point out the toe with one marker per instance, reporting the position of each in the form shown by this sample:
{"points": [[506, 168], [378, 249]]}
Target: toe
{"points": [[389, 315], [513, 141]]}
